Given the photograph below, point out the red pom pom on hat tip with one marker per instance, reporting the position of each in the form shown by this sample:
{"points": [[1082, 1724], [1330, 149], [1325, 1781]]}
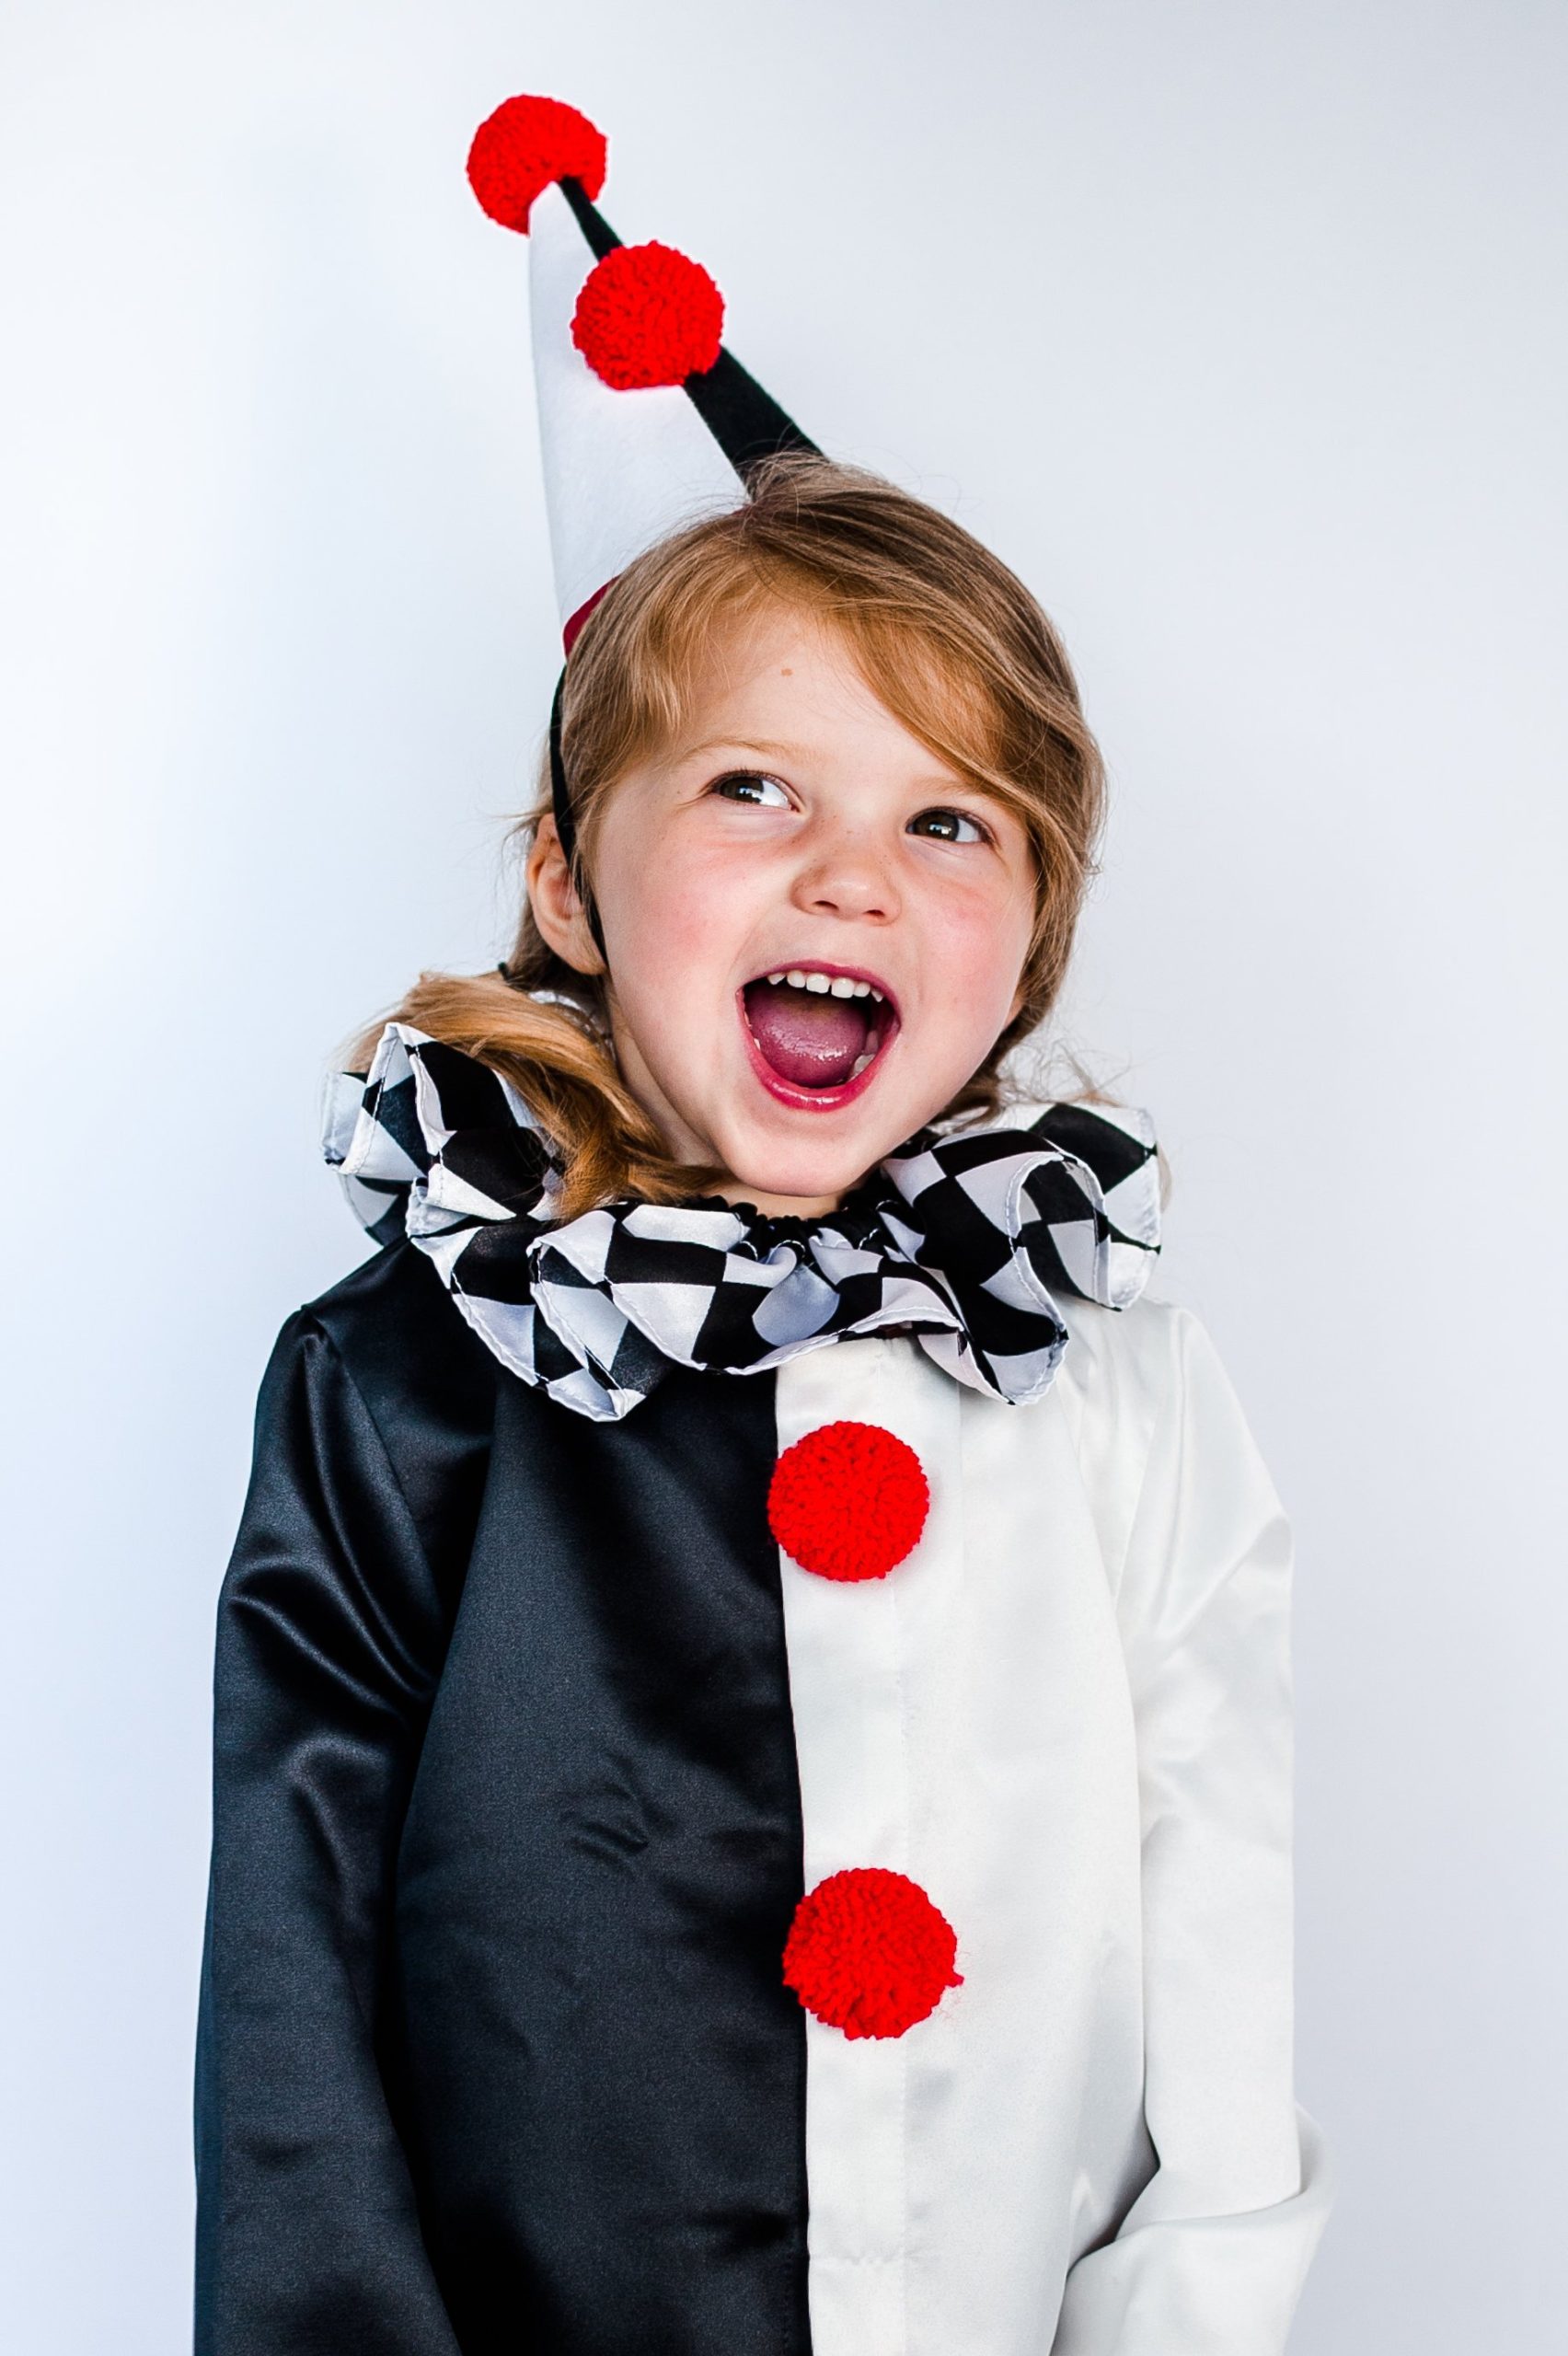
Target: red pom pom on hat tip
{"points": [[524, 148], [646, 315]]}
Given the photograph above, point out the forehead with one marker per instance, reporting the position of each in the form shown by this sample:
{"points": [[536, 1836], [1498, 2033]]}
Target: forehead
{"points": [[788, 676]]}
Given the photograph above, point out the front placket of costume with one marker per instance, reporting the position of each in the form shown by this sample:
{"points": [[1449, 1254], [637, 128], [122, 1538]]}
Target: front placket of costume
{"points": [[870, 1581]]}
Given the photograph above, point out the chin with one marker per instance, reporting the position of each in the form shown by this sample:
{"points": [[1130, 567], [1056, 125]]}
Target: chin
{"points": [[814, 1178], [814, 1167]]}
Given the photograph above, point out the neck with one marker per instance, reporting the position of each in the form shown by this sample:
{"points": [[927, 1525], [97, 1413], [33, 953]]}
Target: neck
{"points": [[777, 1205]]}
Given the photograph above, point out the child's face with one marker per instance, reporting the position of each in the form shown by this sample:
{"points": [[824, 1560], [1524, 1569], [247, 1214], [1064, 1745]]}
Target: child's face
{"points": [[799, 827]]}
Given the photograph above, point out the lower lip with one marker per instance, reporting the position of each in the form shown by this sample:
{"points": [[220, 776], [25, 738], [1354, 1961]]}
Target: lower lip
{"points": [[815, 1100]]}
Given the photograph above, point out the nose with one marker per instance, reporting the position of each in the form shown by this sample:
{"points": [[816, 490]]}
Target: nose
{"points": [[844, 874]]}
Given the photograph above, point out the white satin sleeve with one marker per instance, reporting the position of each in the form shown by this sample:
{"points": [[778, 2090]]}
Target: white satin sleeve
{"points": [[1210, 2257]]}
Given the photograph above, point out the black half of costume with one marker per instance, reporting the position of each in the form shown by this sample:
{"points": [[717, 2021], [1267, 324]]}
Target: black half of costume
{"points": [[495, 2052]]}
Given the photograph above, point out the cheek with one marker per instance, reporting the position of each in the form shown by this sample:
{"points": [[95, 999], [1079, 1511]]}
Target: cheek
{"points": [[986, 940], [673, 922]]}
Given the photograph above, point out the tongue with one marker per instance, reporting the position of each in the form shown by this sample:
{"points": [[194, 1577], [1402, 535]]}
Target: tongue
{"points": [[808, 1037]]}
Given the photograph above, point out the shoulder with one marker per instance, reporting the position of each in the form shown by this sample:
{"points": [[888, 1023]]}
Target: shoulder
{"points": [[401, 1338], [392, 1332], [1144, 1391], [1124, 1367]]}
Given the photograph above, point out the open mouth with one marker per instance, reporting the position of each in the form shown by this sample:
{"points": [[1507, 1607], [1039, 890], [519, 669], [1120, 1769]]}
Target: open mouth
{"points": [[816, 1033]]}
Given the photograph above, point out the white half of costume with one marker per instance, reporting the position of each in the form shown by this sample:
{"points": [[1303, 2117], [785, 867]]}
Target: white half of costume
{"points": [[1067, 1716]]}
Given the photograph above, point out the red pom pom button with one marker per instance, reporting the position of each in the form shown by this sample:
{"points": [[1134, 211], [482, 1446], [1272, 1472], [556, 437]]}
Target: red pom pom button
{"points": [[847, 1501], [526, 145], [869, 1953], [648, 315]]}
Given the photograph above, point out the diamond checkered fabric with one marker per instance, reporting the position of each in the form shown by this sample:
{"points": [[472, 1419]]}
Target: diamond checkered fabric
{"points": [[960, 1238]]}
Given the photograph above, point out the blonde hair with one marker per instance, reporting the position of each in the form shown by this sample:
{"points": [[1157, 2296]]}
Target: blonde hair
{"points": [[953, 644]]}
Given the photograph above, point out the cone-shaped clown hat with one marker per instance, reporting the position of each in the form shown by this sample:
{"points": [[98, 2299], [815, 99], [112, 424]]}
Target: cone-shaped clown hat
{"points": [[645, 419]]}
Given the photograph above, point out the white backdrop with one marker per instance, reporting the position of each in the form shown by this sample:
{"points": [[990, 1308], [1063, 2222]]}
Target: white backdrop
{"points": [[1240, 331]]}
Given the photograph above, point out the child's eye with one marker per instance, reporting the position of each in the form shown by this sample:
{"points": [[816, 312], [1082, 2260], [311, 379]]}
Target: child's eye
{"points": [[945, 826], [750, 785]]}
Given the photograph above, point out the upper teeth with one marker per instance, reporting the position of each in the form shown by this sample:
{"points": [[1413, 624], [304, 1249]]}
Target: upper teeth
{"points": [[806, 977]]}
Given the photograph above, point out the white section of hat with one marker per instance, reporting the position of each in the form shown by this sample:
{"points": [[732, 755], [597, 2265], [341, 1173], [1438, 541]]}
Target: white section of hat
{"points": [[621, 469]]}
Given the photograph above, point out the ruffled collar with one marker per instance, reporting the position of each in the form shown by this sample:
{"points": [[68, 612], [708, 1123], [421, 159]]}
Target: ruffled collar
{"points": [[961, 1238]]}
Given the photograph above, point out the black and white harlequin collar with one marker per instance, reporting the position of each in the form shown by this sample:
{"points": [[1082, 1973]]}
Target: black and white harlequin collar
{"points": [[960, 1238]]}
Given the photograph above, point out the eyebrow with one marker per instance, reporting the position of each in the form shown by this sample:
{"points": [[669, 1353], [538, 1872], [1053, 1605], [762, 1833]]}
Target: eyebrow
{"points": [[767, 748]]}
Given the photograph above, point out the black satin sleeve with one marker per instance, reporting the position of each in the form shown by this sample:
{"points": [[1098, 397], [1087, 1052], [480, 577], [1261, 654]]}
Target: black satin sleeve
{"points": [[332, 1627]]}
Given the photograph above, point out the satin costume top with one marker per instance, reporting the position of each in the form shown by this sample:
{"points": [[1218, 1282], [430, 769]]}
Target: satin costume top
{"points": [[535, 1745]]}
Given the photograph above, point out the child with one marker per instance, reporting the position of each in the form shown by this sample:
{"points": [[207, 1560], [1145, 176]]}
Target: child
{"points": [[753, 1789]]}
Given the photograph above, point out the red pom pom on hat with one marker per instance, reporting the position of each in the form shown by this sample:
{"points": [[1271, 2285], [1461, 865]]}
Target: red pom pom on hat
{"points": [[648, 315], [524, 148], [869, 1953], [847, 1501]]}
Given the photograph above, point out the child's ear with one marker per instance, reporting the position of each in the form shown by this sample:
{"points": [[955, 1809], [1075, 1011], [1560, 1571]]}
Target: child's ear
{"points": [[557, 911]]}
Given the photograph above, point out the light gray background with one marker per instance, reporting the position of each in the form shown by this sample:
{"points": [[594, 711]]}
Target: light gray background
{"points": [[1238, 330]]}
